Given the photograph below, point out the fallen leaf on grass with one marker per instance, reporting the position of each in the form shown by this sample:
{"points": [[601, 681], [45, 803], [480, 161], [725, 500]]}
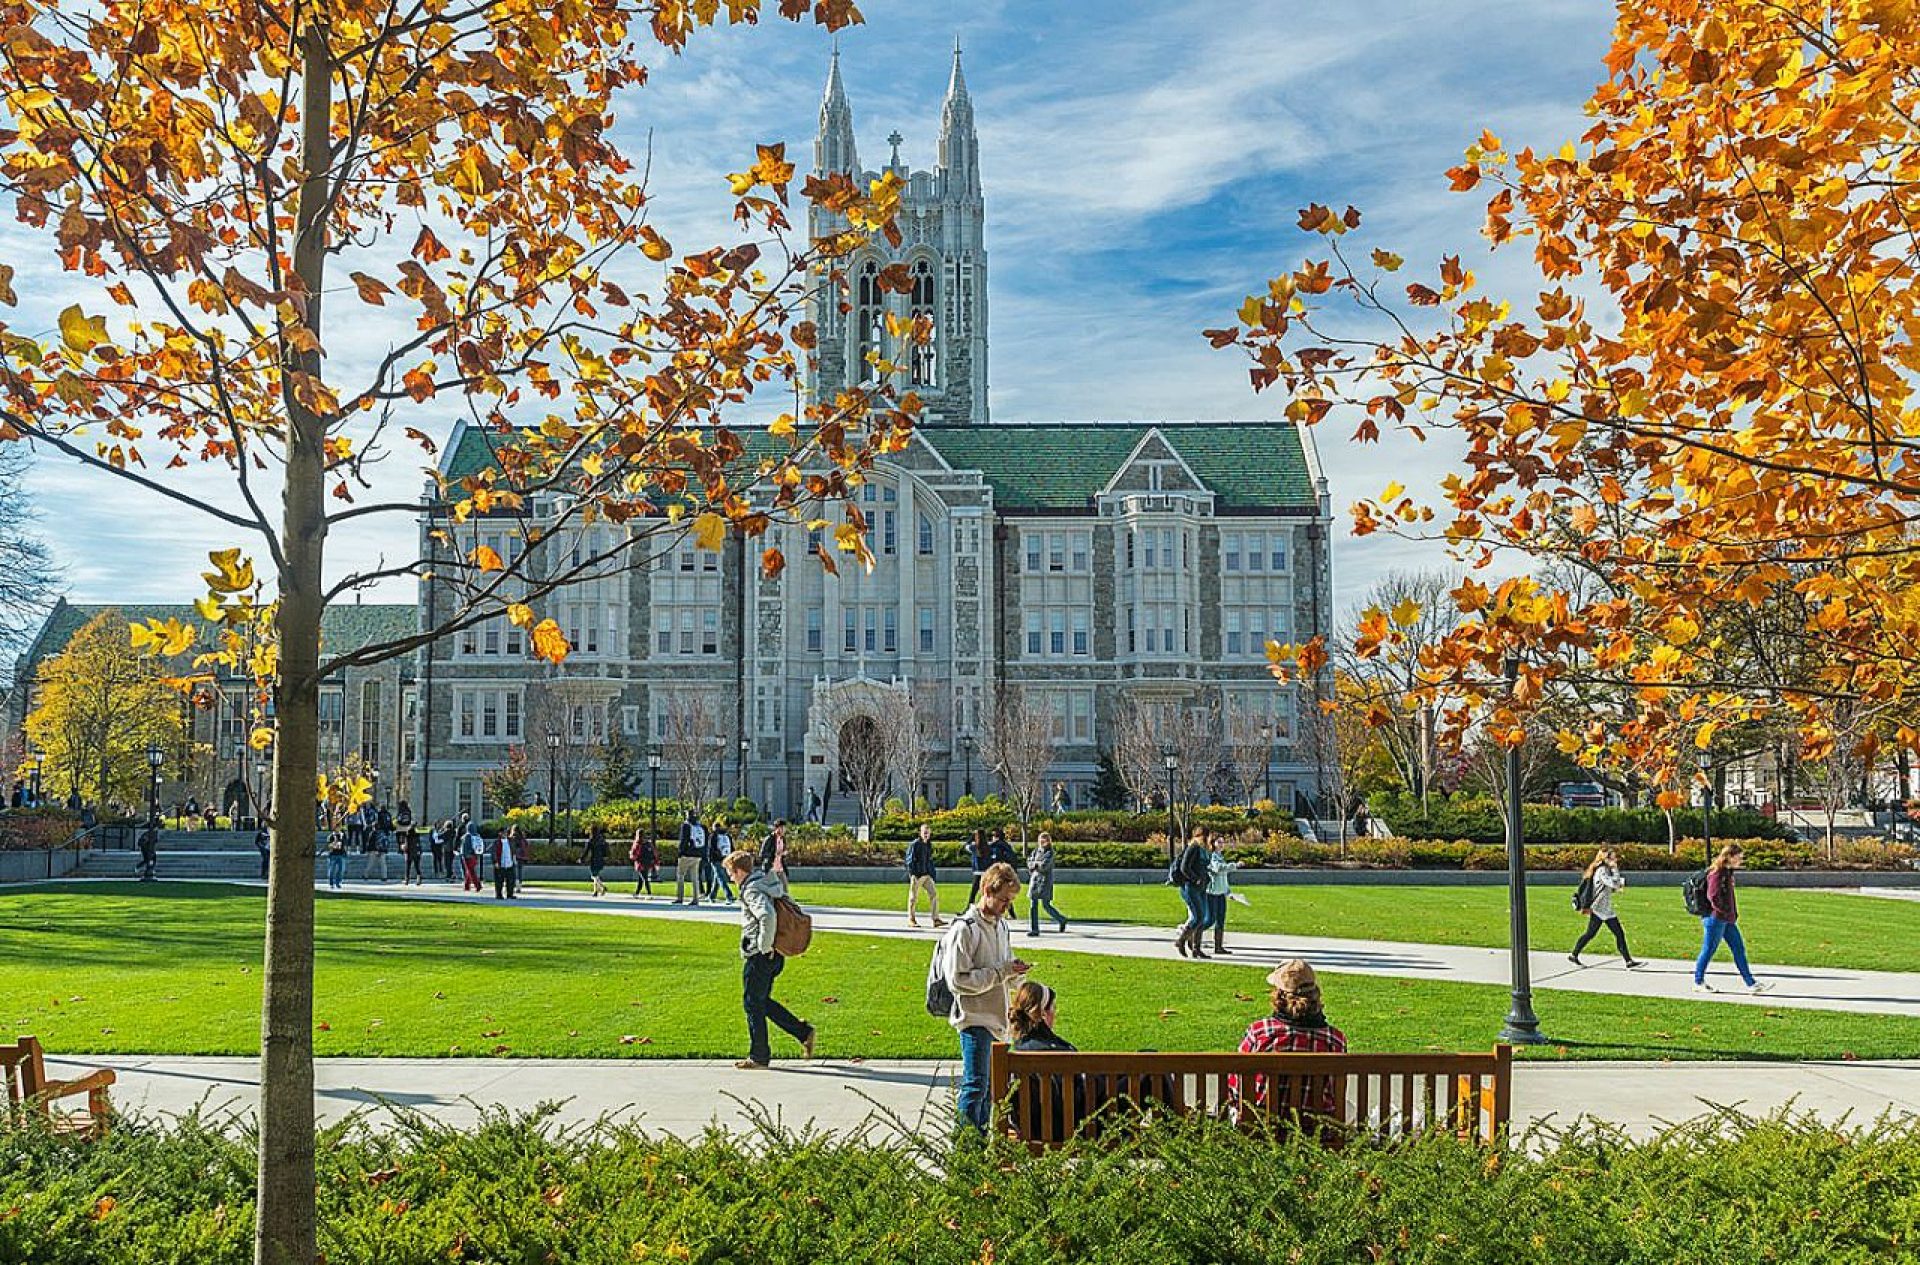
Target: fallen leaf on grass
{"points": [[1168, 1013], [633, 1040], [439, 996], [1239, 996], [829, 1001], [324, 1026], [500, 1049], [103, 1207], [494, 1032]]}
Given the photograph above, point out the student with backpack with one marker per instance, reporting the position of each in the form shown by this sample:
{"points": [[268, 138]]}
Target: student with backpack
{"points": [[1721, 921], [1594, 898], [762, 897], [595, 855], [977, 862], [1192, 871], [972, 967], [645, 858]]}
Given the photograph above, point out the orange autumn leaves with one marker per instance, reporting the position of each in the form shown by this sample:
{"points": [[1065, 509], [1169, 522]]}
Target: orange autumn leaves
{"points": [[1704, 419]]}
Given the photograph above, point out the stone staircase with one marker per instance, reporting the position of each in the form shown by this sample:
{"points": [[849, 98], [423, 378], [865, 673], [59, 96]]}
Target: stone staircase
{"points": [[184, 854]]}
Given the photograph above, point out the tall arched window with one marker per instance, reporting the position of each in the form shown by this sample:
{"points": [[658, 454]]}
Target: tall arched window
{"points": [[926, 355], [869, 322]]}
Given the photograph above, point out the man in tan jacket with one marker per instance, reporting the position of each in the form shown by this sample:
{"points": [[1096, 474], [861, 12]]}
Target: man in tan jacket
{"points": [[979, 964]]}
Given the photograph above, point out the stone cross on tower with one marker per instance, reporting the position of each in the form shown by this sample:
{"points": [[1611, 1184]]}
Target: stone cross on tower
{"points": [[894, 140]]}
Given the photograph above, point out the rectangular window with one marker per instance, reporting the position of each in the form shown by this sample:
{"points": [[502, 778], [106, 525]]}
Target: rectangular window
{"points": [[1056, 632], [890, 633], [1166, 629], [709, 632], [1152, 556], [463, 707], [1082, 551], [469, 640], [1126, 617], [1235, 643], [686, 559], [1080, 721], [489, 715], [926, 630], [515, 641], [852, 641], [490, 640], [630, 721], [1256, 631], [1033, 551], [926, 537], [1277, 551], [1059, 701], [1081, 641], [511, 714], [1129, 548], [370, 722], [1153, 635], [1230, 544], [1056, 551], [1033, 632], [709, 559], [813, 631], [663, 631], [889, 532], [872, 628], [686, 632]]}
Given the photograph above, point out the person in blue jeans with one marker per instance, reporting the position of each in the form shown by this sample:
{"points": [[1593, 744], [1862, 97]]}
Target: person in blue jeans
{"points": [[1723, 922], [976, 959], [336, 858], [1194, 870]]}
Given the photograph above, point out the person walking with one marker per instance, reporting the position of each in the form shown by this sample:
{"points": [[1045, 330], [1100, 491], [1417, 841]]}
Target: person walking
{"points": [[1298, 1022], [719, 848], [773, 850], [437, 846], [922, 876], [760, 964], [503, 866], [977, 862], [976, 960], [522, 858], [376, 846], [595, 856], [1193, 870], [472, 848], [150, 852], [1722, 922], [263, 844], [410, 855], [1219, 888], [336, 859], [1040, 885], [644, 857], [692, 855], [1602, 879]]}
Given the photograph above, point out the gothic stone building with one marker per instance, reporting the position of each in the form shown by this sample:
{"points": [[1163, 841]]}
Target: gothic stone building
{"points": [[1087, 564]]}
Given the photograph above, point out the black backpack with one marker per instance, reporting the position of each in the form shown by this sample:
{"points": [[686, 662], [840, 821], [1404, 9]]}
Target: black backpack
{"points": [[1583, 896], [939, 987], [1693, 890]]}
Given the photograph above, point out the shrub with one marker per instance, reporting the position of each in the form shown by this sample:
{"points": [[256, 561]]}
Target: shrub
{"points": [[1084, 825], [29, 829], [1479, 819], [1723, 1188]]}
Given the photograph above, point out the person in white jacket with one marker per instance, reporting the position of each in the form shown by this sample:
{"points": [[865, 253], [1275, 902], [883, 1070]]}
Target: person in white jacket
{"points": [[1604, 873], [979, 964]]}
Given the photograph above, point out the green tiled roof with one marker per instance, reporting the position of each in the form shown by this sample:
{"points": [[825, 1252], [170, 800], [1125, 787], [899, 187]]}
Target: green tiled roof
{"points": [[1063, 465], [342, 628]]}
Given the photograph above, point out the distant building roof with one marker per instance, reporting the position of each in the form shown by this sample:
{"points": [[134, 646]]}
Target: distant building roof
{"points": [[1064, 465], [342, 628]]}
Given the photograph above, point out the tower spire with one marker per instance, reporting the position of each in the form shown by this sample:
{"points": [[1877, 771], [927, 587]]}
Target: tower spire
{"points": [[835, 149], [959, 145]]}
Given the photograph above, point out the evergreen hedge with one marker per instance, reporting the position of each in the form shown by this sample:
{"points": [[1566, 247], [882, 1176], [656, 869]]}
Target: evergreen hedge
{"points": [[1479, 819], [1780, 1190]]}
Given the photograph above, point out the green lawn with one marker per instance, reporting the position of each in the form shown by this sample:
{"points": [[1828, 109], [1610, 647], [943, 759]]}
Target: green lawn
{"points": [[174, 969], [1785, 927]]}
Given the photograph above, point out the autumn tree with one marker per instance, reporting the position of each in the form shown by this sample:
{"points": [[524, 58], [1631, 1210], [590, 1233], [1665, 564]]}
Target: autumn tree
{"points": [[297, 237], [1708, 395], [1018, 747], [100, 705], [504, 786]]}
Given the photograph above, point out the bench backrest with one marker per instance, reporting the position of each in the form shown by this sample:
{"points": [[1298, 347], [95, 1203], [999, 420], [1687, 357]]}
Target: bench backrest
{"points": [[23, 1070], [1047, 1098]]}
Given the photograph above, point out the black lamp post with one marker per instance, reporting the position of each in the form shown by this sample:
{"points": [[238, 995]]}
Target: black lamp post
{"points": [[1522, 1027], [966, 748], [155, 758], [1266, 746], [553, 765], [653, 796], [1172, 761], [33, 778], [740, 770]]}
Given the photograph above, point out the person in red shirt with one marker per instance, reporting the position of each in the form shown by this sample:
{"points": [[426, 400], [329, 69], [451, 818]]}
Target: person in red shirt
{"points": [[1298, 1023], [1722, 923]]}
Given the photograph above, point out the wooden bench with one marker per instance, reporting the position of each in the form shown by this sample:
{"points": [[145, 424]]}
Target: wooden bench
{"points": [[1045, 1099], [28, 1090]]}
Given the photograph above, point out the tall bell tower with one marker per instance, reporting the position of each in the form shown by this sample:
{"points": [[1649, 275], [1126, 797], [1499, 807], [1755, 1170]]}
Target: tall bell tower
{"points": [[943, 244]]}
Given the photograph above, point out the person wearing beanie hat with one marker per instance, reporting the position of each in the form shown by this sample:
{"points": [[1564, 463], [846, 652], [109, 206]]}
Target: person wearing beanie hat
{"points": [[1298, 1023]]}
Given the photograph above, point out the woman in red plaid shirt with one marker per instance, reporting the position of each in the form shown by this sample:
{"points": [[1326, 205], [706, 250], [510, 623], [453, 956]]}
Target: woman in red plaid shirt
{"points": [[1297, 1023]]}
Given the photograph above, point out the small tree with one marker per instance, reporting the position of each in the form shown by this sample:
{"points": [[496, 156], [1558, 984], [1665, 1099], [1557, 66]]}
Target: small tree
{"points": [[1109, 788], [505, 785], [1137, 753], [561, 758], [613, 770], [865, 752], [1019, 748], [899, 720], [691, 749], [27, 571], [101, 704], [1247, 749], [1193, 734]]}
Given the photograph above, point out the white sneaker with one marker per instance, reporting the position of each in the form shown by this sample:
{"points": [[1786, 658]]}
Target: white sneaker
{"points": [[1760, 986], [1705, 988]]}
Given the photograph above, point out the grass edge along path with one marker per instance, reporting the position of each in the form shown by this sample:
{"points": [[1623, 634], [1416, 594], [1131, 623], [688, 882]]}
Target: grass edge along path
{"points": [[174, 969]]}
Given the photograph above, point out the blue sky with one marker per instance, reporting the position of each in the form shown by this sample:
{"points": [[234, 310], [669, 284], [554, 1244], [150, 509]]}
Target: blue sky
{"points": [[1143, 166]]}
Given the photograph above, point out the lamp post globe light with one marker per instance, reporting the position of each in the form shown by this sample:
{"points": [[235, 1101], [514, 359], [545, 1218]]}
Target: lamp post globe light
{"points": [[1172, 761], [966, 747], [553, 766], [155, 758], [653, 797], [740, 769], [1522, 1027]]}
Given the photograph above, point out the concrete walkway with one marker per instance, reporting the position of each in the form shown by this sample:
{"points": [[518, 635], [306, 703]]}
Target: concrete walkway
{"points": [[1794, 987], [683, 1098]]}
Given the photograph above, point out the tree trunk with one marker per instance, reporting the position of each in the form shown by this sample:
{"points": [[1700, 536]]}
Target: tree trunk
{"points": [[285, 1232]]}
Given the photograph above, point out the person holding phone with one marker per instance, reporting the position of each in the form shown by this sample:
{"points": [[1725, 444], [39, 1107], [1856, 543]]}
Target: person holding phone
{"points": [[980, 964]]}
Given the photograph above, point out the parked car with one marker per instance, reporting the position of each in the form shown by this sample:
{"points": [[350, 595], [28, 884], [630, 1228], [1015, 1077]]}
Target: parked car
{"points": [[1581, 795]]}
